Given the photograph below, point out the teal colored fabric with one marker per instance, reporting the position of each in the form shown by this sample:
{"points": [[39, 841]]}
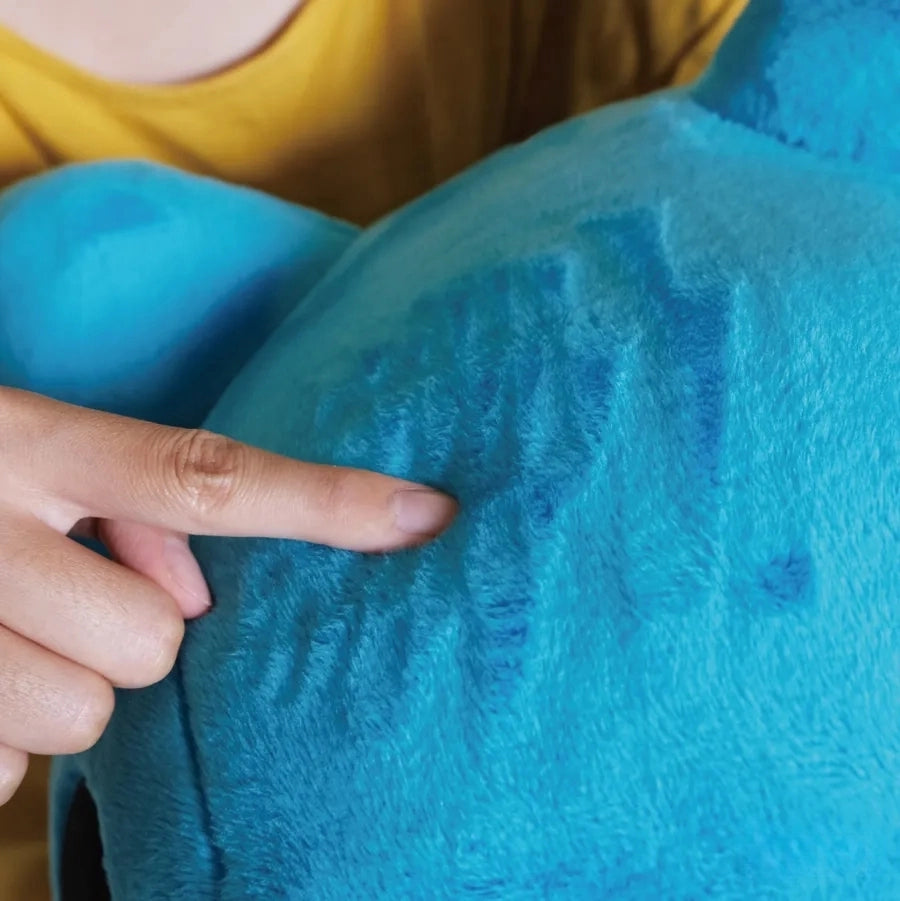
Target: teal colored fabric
{"points": [[655, 352], [142, 290]]}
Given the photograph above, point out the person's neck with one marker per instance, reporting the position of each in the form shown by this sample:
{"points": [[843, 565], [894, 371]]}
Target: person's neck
{"points": [[144, 42]]}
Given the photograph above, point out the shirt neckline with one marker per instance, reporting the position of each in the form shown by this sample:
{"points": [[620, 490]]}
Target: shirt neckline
{"points": [[250, 68]]}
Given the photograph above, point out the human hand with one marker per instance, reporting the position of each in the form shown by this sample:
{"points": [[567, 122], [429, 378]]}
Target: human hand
{"points": [[74, 624]]}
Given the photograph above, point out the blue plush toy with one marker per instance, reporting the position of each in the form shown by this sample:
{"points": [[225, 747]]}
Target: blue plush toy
{"points": [[654, 353]]}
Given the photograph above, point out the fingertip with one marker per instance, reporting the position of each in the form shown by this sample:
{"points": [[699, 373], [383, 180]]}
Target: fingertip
{"points": [[191, 610], [193, 606], [182, 577], [187, 583], [89, 716], [162, 556], [13, 765], [422, 514]]}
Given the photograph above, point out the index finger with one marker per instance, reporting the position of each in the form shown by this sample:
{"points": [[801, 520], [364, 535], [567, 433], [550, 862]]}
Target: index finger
{"points": [[201, 483]]}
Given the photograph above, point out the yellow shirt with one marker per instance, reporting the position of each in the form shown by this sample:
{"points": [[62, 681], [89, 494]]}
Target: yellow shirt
{"points": [[359, 105], [356, 107]]}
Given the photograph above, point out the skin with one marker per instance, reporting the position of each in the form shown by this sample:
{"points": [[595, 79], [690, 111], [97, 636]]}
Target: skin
{"points": [[73, 624], [137, 42]]}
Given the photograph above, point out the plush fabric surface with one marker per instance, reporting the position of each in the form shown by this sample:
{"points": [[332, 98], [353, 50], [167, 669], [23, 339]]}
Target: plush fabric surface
{"points": [[654, 352], [540, 61], [162, 284], [141, 291]]}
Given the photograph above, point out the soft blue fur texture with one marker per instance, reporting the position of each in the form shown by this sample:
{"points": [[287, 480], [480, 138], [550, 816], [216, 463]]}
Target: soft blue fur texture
{"points": [[654, 352], [143, 290]]}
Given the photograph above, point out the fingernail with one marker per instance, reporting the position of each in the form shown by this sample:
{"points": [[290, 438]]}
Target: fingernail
{"points": [[422, 512], [189, 581]]}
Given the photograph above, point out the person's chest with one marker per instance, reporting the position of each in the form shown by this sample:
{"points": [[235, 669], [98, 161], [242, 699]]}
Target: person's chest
{"points": [[148, 41]]}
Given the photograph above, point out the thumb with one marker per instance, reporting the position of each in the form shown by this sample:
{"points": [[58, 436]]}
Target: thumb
{"points": [[163, 556]]}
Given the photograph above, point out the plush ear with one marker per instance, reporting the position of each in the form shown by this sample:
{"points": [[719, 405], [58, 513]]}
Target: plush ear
{"points": [[816, 74], [141, 290]]}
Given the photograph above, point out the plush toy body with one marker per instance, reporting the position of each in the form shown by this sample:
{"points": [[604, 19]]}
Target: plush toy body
{"points": [[654, 352]]}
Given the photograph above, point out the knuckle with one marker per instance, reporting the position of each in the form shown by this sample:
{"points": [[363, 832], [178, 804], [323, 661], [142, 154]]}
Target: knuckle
{"points": [[208, 470], [152, 656], [92, 716], [12, 771], [163, 641]]}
